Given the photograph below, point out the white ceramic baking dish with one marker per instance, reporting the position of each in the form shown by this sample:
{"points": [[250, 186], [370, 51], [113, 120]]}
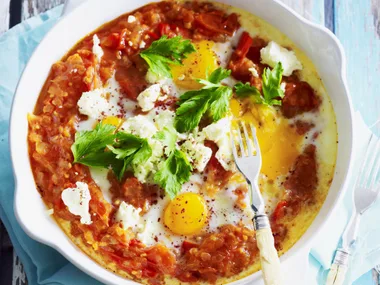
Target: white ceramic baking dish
{"points": [[319, 44]]}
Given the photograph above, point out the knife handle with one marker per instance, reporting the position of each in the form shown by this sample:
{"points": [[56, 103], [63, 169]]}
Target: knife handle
{"points": [[338, 270], [270, 263]]}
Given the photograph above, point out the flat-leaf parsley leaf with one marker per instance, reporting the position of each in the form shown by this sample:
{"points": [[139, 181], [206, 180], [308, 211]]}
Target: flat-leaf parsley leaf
{"points": [[272, 92], [272, 85], [94, 141], [166, 51], [175, 171], [212, 100], [168, 136], [101, 147]]}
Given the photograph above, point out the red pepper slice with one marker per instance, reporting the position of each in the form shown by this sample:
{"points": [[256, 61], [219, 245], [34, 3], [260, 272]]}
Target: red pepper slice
{"points": [[244, 45], [187, 245], [153, 35], [164, 29], [279, 212]]}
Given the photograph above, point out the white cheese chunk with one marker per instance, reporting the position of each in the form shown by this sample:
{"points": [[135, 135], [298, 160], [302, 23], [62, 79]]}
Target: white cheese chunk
{"points": [[131, 19], [101, 102], [93, 104], [197, 153], [96, 49], [77, 201], [164, 119], [148, 97], [144, 172], [129, 216], [224, 154], [274, 53], [219, 133], [144, 227], [144, 127], [140, 126]]}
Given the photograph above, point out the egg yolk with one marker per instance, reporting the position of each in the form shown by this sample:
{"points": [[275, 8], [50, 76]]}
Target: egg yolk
{"points": [[279, 143], [198, 64], [186, 214], [115, 121]]}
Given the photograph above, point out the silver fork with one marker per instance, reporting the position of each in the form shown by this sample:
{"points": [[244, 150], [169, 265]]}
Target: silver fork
{"points": [[367, 189], [249, 164]]}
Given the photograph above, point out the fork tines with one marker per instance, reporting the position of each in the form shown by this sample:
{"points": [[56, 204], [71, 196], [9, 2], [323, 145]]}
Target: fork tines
{"points": [[245, 138]]}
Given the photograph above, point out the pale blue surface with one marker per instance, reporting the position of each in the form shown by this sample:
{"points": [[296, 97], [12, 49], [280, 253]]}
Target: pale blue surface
{"points": [[355, 26], [44, 265]]}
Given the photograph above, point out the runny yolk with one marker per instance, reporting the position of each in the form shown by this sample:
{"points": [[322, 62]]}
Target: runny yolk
{"points": [[197, 65], [279, 143], [186, 214]]}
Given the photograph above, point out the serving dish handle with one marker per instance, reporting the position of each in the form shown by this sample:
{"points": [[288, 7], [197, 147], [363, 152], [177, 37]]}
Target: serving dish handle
{"points": [[70, 5]]}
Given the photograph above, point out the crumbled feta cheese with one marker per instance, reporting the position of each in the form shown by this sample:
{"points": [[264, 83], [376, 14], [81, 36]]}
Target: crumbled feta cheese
{"points": [[144, 172], [148, 97], [166, 89], [163, 98], [131, 19], [145, 229], [181, 77], [219, 132], [96, 49], [142, 44], [197, 153], [274, 53], [93, 104], [140, 126], [77, 201], [130, 43], [253, 71], [129, 216], [224, 154], [164, 119]]}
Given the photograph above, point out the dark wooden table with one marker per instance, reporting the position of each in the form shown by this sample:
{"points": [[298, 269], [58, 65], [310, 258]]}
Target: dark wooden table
{"points": [[353, 21]]}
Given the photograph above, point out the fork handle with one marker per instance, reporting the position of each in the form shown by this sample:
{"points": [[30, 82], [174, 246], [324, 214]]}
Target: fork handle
{"points": [[338, 269], [270, 263]]}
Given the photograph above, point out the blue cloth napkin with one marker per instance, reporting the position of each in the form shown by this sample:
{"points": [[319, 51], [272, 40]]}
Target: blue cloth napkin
{"points": [[43, 265]]}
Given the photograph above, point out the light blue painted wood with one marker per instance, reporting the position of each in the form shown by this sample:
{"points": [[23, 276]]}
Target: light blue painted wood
{"points": [[357, 26], [311, 9]]}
